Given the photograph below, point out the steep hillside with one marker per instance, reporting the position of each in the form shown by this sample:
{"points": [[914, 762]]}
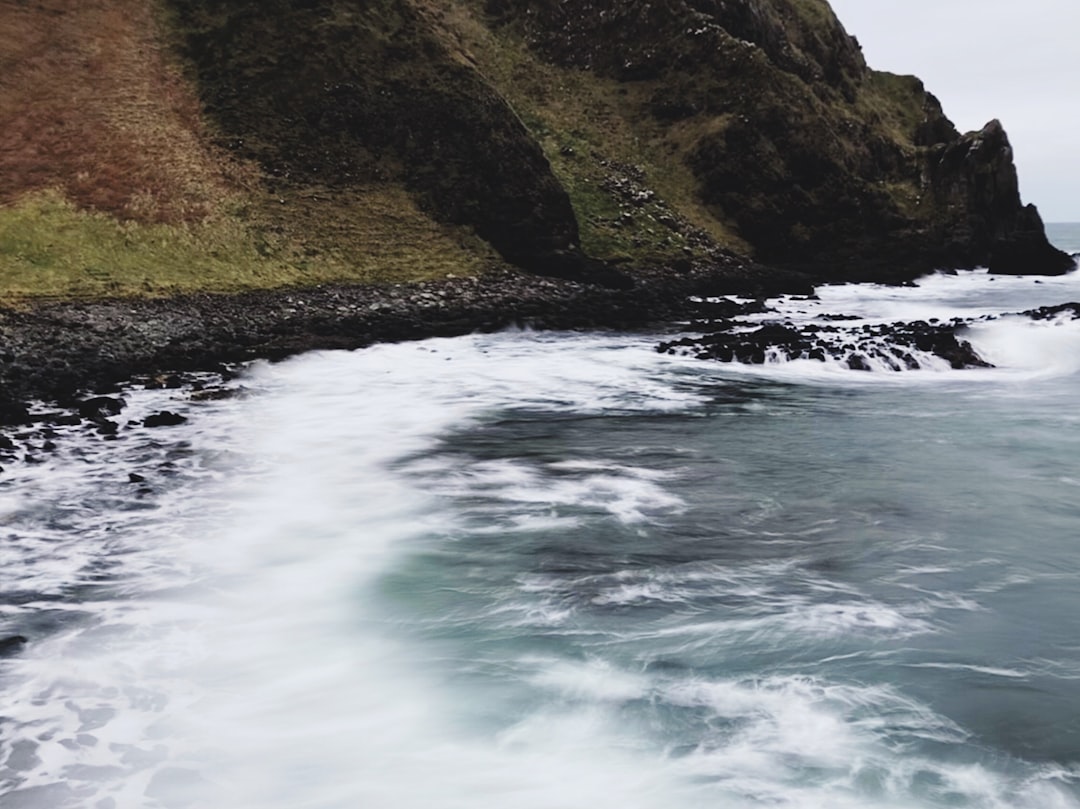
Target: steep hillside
{"points": [[796, 147], [337, 95], [154, 147]]}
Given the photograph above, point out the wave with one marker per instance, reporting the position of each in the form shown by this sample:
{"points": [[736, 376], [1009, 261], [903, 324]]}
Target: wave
{"points": [[305, 610]]}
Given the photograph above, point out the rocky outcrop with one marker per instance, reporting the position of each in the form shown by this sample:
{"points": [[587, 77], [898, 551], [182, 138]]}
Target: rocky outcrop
{"points": [[974, 184], [886, 346], [732, 332], [12, 645]]}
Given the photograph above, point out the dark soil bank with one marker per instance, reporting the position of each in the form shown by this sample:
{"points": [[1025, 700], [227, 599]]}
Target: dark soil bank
{"points": [[64, 351]]}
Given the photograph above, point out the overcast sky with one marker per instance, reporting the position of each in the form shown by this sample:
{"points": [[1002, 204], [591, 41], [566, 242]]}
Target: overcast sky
{"points": [[1016, 60]]}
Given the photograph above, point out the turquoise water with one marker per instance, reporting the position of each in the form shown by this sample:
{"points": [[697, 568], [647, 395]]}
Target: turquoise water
{"points": [[563, 570]]}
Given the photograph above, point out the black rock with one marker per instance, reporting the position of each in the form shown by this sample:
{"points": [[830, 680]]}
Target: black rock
{"points": [[723, 309], [858, 347], [106, 427], [857, 362], [100, 406], [165, 418], [13, 412], [214, 394], [12, 645], [1047, 312]]}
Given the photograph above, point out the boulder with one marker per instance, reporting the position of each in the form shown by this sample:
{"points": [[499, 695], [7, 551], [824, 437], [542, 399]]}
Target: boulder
{"points": [[12, 645], [99, 407], [165, 418]]}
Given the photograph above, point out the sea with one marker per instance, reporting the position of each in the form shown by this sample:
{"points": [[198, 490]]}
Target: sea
{"points": [[561, 570]]}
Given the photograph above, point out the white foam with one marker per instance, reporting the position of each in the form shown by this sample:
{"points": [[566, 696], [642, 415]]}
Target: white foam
{"points": [[628, 493], [1048, 347], [992, 671], [594, 680], [251, 655]]}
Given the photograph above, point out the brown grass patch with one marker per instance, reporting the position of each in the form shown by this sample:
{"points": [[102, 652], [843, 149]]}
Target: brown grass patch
{"points": [[91, 103]]}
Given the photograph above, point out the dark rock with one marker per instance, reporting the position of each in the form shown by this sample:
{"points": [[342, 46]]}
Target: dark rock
{"points": [[165, 418], [100, 407], [974, 179], [106, 427], [12, 412], [731, 344], [857, 362], [724, 308], [1071, 310], [214, 394], [858, 348], [166, 381], [1025, 250], [12, 644]]}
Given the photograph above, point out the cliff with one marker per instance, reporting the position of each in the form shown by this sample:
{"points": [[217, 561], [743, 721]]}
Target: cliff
{"points": [[797, 147], [152, 148]]}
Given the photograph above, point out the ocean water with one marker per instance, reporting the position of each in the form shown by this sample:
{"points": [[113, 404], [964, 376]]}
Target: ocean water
{"points": [[563, 571], [1064, 235]]}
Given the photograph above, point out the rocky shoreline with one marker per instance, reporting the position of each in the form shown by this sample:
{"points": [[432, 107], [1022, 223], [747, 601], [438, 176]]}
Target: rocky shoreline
{"points": [[67, 352], [730, 332], [892, 346]]}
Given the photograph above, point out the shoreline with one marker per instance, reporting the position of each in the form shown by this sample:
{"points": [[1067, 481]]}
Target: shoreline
{"points": [[61, 351]]}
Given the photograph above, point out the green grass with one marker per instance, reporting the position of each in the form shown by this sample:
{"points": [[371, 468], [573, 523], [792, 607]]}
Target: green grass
{"points": [[51, 249]]}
